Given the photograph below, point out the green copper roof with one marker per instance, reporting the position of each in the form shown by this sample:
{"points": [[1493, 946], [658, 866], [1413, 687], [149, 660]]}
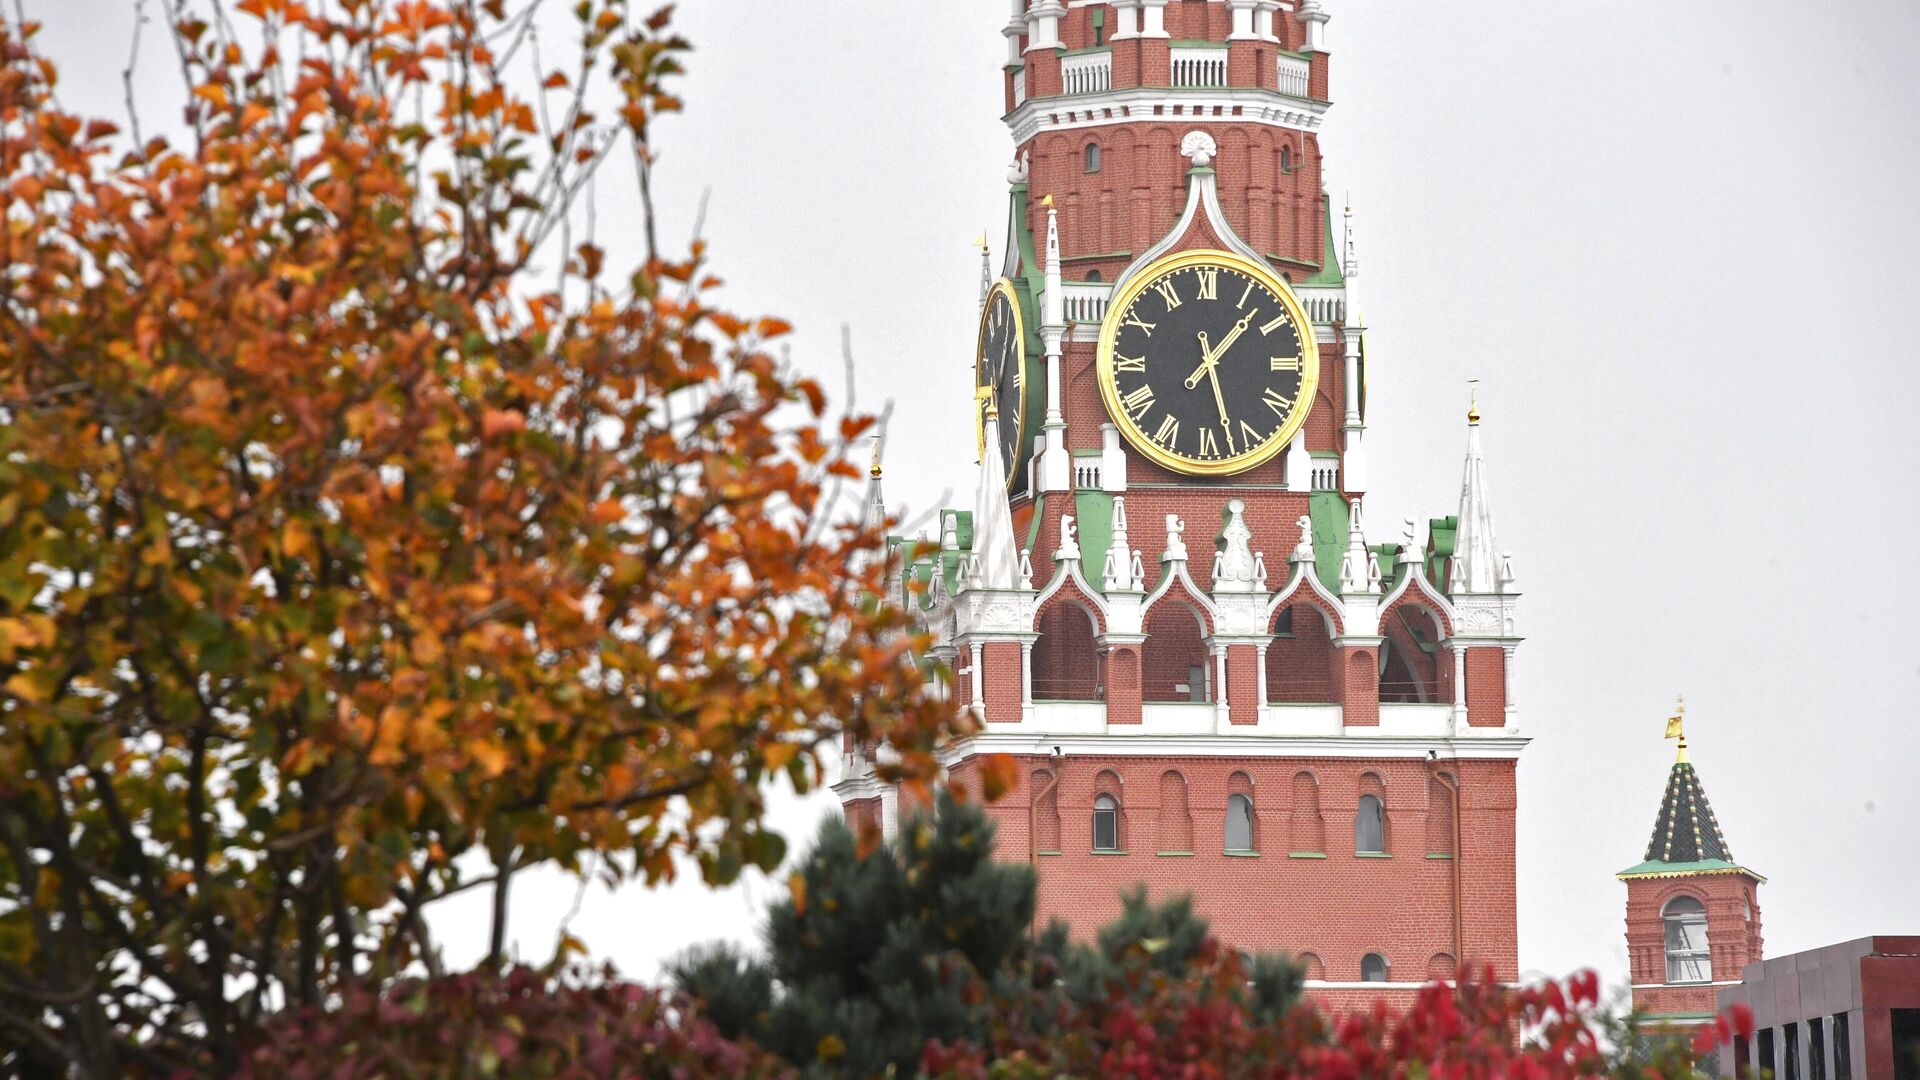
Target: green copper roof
{"points": [[1440, 534], [1330, 273], [1093, 513], [1329, 513], [1686, 836]]}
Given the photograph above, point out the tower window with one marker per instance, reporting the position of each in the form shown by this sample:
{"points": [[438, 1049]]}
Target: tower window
{"points": [[1369, 826], [1283, 626], [1099, 26], [1688, 958], [1093, 276], [1286, 160], [1239, 823], [1373, 968], [1093, 157], [1106, 823]]}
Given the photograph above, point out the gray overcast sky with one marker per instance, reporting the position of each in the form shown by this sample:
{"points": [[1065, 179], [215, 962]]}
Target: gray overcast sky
{"points": [[1677, 245]]}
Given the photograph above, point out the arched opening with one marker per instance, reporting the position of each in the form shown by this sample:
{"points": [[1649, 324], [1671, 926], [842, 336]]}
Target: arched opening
{"points": [[1689, 960], [1178, 667], [1306, 829], [1066, 659], [1300, 657], [1046, 811], [1094, 278], [1413, 667], [1286, 160], [1093, 157], [1442, 967], [1370, 821], [1239, 825], [1373, 968], [1176, 822], [1106, 823], [1310, 966]]}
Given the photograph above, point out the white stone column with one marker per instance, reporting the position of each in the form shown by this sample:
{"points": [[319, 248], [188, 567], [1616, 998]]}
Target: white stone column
{"points": [[1220, 709], [1260, 688], [1026, 681], [978, 681], [1154, 19], [1506, 690], [1459, 685], [1126, 23]]}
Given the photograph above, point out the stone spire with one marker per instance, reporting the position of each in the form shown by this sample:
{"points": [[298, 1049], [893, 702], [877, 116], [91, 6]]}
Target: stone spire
{"points": [[875, 515], [995, 557], [1477, 563]]}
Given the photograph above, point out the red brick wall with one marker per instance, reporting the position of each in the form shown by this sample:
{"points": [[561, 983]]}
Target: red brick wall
{"points": [[1733, 936], [1003, 682], [1340, 907], [1066, 661], [1300, 668], [1487, 686], [1173, 649], [1243, 672]]}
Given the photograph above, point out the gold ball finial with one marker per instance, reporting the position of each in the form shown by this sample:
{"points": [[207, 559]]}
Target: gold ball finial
{"points": [[874, 469], [1473, 401], [993, 409]]}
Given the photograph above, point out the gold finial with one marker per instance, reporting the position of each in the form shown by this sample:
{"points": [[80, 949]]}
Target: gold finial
{"points": [[993, 409], [1473, 401], [874, 469], [1047, 202], [1676, 730]]}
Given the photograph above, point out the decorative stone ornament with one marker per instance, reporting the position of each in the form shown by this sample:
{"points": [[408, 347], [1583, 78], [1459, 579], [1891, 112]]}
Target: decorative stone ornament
{"points": [[1233, 563], [1199, 146], [1069, 540], [1176, 548], [1303, 551]]}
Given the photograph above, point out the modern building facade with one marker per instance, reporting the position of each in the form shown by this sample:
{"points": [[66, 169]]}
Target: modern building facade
{"points": [[1168, 603], [1846, 1012]]}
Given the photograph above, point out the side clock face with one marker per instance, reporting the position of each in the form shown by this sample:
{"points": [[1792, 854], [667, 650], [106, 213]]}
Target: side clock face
{"points": [[1000, 372], [1207, 363]]}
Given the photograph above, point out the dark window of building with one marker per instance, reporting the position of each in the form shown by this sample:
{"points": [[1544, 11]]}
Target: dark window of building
{"points": [[1093, 275], [1906, 1044], [1369, 831], [1093, 157], [1816, 1050], [1283, 626], [1842, 1048], [1688, 958], [1239, 823], [1790, 1068], [1099, 26], [1286, 159], [1106, 823], [1373, 968], [1742, 1059], [1765, 1051]]}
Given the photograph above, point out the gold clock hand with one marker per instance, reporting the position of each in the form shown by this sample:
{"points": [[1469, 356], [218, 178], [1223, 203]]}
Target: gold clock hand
{"points": [[1213, 373], [1206, 362]]}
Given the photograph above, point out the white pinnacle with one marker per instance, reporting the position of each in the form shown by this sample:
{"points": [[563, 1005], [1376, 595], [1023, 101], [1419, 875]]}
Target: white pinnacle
{"points": [[1477, 562]]}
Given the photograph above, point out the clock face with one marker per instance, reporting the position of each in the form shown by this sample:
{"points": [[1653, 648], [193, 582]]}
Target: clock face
{"points": [[1207, 363], [1000, 372]]}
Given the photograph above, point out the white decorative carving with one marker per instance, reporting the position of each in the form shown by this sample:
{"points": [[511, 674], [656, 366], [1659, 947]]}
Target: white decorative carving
{"points": [[1137, 568], [1021, 167], [1176, 547], [1260, 570], [1069, 540], [1303, 551], [1233, 561], [1026, 568], [949, 531], [1199, 146]]}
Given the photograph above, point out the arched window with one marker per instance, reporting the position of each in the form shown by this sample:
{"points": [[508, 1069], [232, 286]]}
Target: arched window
{"points": [[1093, 157], [1286, 159], [1093, 276], [1239, 823], [1688, 958], [1369, 828], [1373, 968], [1106, 823]]}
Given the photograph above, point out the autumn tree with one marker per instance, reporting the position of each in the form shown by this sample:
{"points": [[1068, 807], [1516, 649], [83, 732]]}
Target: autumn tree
{"points": [[367, 538]]}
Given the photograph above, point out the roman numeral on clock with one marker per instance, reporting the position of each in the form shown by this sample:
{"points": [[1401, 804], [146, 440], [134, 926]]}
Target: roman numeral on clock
{"points": [[1284, 363], [1251, 436], [1279, 321], [1137, 401], [1278, 402], [1244, 293], [1209, 282], [1134, 320], [1209, 446], [1169, 431], [1167, 293], [1130, 363]]}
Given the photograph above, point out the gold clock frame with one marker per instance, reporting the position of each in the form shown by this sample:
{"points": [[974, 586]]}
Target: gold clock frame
{"points": [[1001, 287], [1110, 329]]}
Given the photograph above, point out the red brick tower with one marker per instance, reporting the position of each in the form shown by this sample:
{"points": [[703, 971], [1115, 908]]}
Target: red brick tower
{"points": [[1693, 914], [1173, 617]]}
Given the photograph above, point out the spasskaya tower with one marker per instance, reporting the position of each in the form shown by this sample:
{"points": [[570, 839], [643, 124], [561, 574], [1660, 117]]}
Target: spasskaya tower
{"points": [[1164, 603]]}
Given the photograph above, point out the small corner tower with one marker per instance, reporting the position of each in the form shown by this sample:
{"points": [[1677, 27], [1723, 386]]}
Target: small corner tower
{"points": [[1693, 913]]}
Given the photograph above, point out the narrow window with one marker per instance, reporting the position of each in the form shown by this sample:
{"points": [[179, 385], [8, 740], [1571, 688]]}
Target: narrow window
{"points": [[1373, 968], [1792, 1070], [1106, 824], [1239, 823], [1369, 831], [1099, 26], [1816, 1049], [1283, 626], [1286, 160], [1842, 1048], [1688, 958], [1093, 157]]}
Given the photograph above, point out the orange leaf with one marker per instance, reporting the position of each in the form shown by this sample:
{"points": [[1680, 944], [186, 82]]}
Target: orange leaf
{"points": [[213, 92]]}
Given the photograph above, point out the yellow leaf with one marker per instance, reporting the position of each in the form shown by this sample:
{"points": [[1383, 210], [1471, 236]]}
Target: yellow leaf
{"points": [[25, 687], [778, 754], [213, 92], [491, 757]]}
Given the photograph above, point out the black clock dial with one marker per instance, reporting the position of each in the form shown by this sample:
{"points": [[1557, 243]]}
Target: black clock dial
{"points": [[999, 372], [1208, 365]]}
